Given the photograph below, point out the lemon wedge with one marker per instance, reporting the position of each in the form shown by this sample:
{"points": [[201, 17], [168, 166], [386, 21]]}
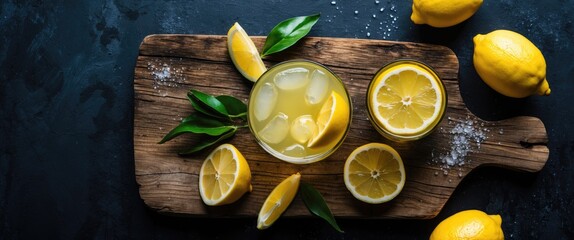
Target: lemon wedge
{"points": [[406, 99], [332, 121], [278, 201], [374, 173], [244, 54], [224, 176]]}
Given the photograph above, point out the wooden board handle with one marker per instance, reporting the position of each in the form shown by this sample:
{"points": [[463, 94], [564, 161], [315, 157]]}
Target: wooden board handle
{"points": [[517, 143]]}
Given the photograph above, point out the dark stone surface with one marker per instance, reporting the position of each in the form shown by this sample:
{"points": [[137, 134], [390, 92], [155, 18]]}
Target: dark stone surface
{"points": [[66, 113]]}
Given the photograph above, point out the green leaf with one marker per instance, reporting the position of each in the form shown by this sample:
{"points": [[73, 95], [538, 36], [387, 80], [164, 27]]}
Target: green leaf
{"points": [[208, 141], [234, 106], [198, 123], [207, 104], [287, 33], [316, 204], [213, 120]]}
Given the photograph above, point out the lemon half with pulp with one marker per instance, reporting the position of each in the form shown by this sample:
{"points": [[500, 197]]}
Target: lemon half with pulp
{"points": [[224, 176], [374, 173]]}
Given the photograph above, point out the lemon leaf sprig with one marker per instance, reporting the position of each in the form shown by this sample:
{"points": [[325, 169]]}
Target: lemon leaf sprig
{"points": [[287, 33], [317, 205], [216, 119]]}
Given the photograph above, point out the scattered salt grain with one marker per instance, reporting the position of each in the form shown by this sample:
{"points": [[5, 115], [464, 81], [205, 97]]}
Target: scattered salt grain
{"points": [[333, 2], [356, 12], [462, 136], [164, 74]]}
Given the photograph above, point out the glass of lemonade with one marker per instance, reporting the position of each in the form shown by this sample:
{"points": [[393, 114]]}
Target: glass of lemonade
{"points": [[299, 111], [406, 100]]}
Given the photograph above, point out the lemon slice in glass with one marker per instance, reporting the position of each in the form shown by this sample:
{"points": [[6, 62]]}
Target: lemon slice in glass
{"points": [[224, 176], [332, 121], [406, 100], [244, 54], [374, 173], [278, 201]]}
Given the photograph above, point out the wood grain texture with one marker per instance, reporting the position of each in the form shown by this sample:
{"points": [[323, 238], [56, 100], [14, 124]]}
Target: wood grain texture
{"points": [[169, 65]]}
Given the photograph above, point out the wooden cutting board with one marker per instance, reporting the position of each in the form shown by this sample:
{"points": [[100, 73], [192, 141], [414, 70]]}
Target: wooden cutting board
{"points": [[169, 65]]}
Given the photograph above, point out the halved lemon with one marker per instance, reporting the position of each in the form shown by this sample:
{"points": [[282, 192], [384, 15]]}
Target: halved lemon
{"points": [[244, 54], [224, 176], [332, 121], [406, 99], [278, 201], [374, 173]]}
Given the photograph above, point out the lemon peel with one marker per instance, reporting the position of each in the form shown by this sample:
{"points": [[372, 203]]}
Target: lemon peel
{"points": [[510, 64], [469, 224], [443, 13]]}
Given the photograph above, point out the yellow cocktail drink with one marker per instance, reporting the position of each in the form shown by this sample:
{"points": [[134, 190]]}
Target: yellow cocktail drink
{"points": [[299, 111]]}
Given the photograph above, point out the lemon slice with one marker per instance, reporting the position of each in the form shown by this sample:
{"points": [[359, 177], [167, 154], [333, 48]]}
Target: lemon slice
{"points": [[332, 121], [224, 176], [278, 201], [374, 173], [407, 99], [244, 54]]}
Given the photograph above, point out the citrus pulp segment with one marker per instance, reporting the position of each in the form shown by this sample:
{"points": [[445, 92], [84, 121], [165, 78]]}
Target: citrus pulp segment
{"points": [[374, 173], [244, 54], [278, 201], [224, 176]]}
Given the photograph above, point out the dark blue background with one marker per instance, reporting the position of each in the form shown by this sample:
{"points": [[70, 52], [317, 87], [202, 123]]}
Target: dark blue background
{"points": [[66, 112]]}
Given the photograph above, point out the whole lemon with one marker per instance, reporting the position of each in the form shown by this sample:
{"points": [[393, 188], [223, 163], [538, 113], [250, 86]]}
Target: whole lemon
{"points": [[510, 64], [443, 13], [469, 225]]}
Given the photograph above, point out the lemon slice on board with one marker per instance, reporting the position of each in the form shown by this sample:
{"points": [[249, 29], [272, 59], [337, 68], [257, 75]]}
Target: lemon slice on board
{"points": [[407, 100], [374, 173], [244, 54], [332, 121], [278, 201], [224, 176]]}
